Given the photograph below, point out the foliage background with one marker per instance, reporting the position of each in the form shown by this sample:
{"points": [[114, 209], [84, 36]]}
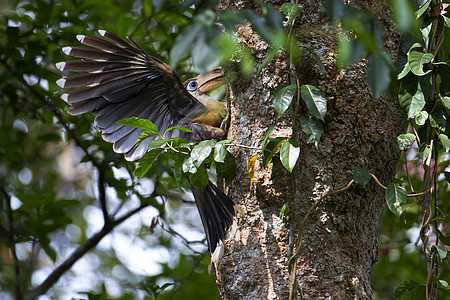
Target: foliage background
{"points": [[54, 168]]}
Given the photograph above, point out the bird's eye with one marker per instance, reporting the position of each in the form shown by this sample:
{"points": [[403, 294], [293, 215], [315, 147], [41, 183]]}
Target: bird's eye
{"points": [[192, 86]]}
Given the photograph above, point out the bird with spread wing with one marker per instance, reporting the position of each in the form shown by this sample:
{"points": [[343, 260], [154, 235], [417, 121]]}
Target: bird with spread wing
{"points": [[117, 79]]}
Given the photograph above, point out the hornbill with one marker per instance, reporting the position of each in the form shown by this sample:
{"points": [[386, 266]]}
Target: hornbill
{"points": [[117, 79]]}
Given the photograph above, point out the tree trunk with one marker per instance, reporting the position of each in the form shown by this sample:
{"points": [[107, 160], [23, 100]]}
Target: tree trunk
{"points": [[339, 242]]}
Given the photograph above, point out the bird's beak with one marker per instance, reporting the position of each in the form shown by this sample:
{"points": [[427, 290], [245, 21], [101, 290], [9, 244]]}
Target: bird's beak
{"points": [[210, 81]]}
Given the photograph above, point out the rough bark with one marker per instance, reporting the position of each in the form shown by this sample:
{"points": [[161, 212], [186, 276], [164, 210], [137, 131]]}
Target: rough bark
{"points": [[339, 240]]}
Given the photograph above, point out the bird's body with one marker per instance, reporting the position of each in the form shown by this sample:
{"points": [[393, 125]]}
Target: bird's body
{"points": [[118, 79]]}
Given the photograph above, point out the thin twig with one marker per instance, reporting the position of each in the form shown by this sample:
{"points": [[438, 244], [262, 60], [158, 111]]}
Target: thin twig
{"points": [[12, 241], [244, 146], [185, 242]]}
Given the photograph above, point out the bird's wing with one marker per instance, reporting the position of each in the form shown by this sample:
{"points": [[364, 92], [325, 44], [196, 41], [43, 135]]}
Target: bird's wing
{"points": [[117, 79]]}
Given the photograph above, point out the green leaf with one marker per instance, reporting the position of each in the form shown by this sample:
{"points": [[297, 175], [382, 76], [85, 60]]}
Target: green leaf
{"points": [[273, 15], [338, 9], [405, 287], [412, 98], [266, 61], [414, 46], [189, 165], [417, 60], [199, 179], [395, 196], [219, 153], [229, 19], [351, 50], [446, 102], [312, 127], [271, 148], [178, 162], [404, 15], [202, 150], [446, 21], [183, 43], [424, 152], [426, 31], [361, 175], [143, 124], [439, 116], [261, 25], [45, 244], [267, 135], [442, 237], [404, 72], [422, 9], [289, 153], [177, 128], [291, 11], [415, 103], [405, 141], [156, 144], [445, 141], [284, 210], [145, 163], [145, 135], [283, 97], [440, 250], [315, 101], [227, 169], [421, 118], [205, 54], [316, 58], [378, 75]]}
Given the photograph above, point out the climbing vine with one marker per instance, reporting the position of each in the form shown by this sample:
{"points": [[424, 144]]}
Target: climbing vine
{"points": [[422, 87]]}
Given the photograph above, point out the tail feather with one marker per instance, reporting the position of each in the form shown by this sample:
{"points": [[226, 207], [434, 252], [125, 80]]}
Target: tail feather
{"points": [[216, 212]]}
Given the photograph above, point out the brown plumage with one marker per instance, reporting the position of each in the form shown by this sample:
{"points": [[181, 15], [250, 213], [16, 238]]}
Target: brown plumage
{"points": [[117, 79]]}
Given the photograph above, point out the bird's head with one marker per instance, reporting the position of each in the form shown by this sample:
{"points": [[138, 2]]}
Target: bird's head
{"points": [[204, 84]]}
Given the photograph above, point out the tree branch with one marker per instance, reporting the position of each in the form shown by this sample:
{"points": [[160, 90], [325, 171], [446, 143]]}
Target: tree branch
{"points": [[78, 253]]}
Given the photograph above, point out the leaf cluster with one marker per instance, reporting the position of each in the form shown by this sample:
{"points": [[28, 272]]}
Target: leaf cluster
{"points": [[189, 159]]}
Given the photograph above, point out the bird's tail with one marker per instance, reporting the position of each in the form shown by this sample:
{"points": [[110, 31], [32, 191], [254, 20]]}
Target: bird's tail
{"points": [[217, 212]]}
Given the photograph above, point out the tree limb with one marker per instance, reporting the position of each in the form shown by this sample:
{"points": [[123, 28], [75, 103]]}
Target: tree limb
{"points": [[78, 253]]}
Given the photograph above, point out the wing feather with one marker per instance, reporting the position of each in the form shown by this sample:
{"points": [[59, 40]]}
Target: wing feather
{"points": [[117, 79]]}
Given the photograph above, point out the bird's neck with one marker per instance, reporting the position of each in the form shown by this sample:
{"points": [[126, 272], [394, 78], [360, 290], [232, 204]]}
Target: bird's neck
{"points": [[216, 111]]}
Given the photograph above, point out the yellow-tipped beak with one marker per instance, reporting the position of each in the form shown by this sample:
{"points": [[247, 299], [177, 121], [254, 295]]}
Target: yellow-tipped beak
{"points": [[210, 81]]}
